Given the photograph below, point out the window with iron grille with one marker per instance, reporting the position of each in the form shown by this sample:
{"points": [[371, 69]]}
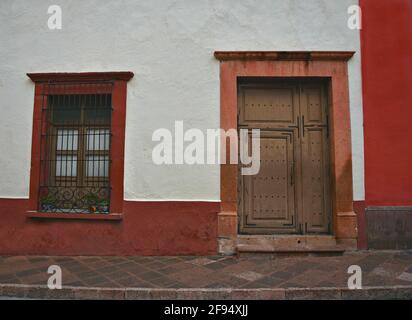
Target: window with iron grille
{"points": [[75, 147]]}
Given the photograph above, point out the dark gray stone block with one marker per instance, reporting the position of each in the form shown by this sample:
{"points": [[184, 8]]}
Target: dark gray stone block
{"points": [[389, 227]]}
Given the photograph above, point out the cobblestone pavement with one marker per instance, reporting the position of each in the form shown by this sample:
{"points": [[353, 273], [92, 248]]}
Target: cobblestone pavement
{"points": [[382, 268]]}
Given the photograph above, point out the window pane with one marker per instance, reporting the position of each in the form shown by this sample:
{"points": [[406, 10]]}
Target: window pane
{"points": [[66, 166], [98, 139], [66, 109], [97, 166], [97, 109], [67, 139], [97, 116]]}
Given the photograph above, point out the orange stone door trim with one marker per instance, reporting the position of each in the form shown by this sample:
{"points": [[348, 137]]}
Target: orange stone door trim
{"points": [[330, 65]]}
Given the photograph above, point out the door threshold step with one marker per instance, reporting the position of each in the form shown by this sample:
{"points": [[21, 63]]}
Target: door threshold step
{"points": [[288, 245], [257, 250]]}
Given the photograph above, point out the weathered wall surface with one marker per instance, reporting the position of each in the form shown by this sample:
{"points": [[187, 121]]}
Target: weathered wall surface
{"points": [[387, 73], [147, 228], [169, 46]]}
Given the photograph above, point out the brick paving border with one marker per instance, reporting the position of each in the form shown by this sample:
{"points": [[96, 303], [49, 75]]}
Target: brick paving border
{"points": [[366, 293]]}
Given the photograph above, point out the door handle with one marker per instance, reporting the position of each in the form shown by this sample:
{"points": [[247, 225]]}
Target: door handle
{"points": [[292, 174]]}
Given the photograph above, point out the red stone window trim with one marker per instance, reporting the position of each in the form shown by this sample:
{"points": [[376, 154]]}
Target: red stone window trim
{"points": [[284, 55], [75, 216], [118, 122]]}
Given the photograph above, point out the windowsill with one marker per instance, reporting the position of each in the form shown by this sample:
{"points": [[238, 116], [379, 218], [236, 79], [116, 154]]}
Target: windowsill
{"points": [[74, 216]]}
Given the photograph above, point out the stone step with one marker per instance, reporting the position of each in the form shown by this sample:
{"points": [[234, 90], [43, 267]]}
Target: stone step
{"points": [[288, 244], [246, 252]]}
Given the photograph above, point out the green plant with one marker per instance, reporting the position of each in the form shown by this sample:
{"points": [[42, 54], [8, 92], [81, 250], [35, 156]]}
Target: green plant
{"points": [[95, 203], [91, 199], [48, 200], [104, 202]]}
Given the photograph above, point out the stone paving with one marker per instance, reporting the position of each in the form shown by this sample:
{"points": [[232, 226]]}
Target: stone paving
{"points": [[383, 269]]}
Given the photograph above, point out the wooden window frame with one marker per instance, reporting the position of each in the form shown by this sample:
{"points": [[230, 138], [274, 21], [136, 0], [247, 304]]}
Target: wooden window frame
{"points": [[81, 152], [118, 123]]}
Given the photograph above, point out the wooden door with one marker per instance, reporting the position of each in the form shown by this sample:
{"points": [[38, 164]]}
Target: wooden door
{"points": [[290, 193]]}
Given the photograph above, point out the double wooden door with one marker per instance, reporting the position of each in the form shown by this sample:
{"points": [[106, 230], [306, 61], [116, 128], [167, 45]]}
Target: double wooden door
{"points": [[291, 191]]}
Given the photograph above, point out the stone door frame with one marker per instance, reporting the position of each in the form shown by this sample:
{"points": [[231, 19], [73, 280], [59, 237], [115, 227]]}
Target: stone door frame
{"points": [[331, 65]]}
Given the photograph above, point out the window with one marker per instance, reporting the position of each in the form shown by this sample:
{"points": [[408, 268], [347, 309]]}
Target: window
{"points": [[78, 143], [76, 147]]}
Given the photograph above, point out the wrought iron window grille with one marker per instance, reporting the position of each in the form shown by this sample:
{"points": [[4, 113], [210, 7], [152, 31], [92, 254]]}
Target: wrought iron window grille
{"points": [[75, 147]]}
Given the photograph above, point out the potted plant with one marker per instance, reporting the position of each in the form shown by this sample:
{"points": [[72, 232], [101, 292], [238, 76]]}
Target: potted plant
{"points": [[48, 202], [91, 201], [103, 206]]}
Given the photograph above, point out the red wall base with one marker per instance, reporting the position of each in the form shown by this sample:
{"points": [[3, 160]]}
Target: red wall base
{"points": [[359, 209], [147, 228]]}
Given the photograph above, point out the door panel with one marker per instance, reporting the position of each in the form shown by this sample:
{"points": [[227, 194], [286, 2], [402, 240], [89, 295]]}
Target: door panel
{"points": [[268, 106], [290, 194], [315, 164], [274, 105], [269, 195], [314, 176]]}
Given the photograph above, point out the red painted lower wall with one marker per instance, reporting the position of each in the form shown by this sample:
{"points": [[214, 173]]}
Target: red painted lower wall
{"points": [[386, 43], [147, 228], [359, 209]]}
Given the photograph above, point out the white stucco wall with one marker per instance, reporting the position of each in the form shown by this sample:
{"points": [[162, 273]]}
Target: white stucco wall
{"points": [[169, 46]]}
